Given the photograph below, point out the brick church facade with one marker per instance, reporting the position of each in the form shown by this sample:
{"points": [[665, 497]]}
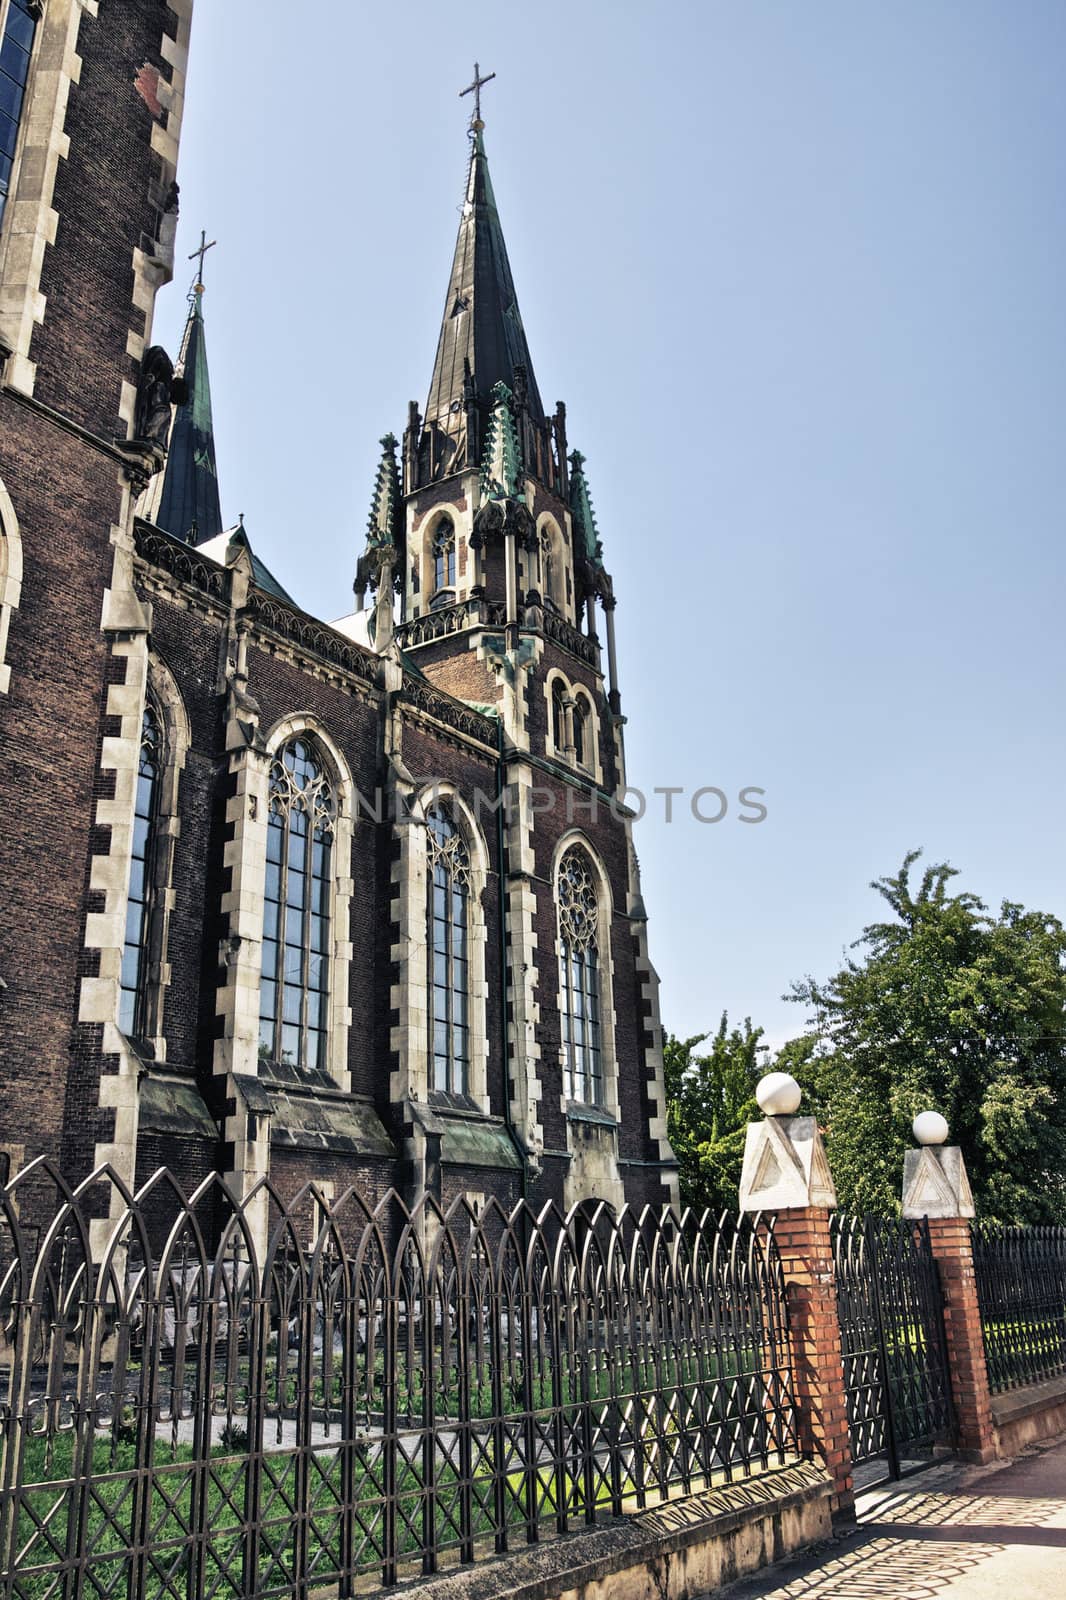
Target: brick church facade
{"points": [[351, 903]]}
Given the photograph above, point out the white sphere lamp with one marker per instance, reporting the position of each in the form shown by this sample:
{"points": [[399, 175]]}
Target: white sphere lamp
{"points": [[929, 1127], [778, 1094]]}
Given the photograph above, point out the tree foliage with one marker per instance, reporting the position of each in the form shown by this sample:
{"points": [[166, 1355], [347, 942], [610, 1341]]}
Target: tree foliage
{"points": [[946, 1008], [710, 1101]]}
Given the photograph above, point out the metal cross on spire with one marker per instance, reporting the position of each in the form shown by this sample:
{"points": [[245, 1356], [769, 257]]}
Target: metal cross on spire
{"points": [[199, 253], [475, 89]]}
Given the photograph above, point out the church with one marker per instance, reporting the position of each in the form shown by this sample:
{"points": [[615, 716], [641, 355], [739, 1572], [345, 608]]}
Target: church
{"points": [[350, 902]]}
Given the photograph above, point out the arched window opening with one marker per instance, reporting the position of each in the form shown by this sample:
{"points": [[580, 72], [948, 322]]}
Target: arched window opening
{"points": [[581, 732], [579, 979], [294, 986], [558, 716], [17, 28], [443, 564], [133, 982], [448, 907]]}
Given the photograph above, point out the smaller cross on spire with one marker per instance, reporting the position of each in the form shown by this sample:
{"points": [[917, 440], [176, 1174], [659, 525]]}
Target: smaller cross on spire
{"points": [[475, 89], [199, 253]]}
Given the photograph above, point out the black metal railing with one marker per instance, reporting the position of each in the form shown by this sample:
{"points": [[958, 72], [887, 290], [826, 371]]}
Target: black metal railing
{"points": [[208, 1398], [890, 1306], [1021, 1289]]}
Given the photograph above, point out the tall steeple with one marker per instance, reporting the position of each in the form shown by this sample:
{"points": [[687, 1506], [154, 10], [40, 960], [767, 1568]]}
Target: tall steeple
{"points": [[482, 341], [189, 505]]}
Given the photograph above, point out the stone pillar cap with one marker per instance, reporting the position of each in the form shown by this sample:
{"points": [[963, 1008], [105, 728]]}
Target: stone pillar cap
{"points": [[785, 1166], [935, 1183]]}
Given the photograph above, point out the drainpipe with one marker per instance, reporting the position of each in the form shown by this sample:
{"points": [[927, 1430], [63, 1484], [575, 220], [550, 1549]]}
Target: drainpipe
{"points": [[501, 863]]}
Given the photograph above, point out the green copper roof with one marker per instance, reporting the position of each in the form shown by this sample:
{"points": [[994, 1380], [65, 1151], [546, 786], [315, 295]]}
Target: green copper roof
{"points": [[501, 463], [189, 507], [586, 535], [481, 331]]}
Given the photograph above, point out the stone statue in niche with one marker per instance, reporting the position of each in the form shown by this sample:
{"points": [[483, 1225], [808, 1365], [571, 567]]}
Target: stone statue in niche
{"points": [[157, 391]]}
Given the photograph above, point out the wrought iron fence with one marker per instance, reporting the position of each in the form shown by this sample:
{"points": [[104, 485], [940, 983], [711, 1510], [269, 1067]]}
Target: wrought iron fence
{"points": [[1021, 1289], [202, 1398], [890, 1305]]}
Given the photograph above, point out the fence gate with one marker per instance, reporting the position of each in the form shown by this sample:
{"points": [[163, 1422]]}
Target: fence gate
{"points": [[890, 1305]]}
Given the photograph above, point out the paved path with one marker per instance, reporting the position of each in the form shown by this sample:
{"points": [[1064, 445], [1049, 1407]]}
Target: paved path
{"points": [[951, 1533]]}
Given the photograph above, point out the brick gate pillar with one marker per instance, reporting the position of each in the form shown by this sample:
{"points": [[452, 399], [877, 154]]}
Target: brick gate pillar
{"points": [[786, 1172], [935, 1186]]}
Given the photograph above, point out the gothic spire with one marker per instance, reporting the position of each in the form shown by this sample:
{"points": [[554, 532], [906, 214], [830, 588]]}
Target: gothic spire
{"points": [[482, 339], [189, 505]]}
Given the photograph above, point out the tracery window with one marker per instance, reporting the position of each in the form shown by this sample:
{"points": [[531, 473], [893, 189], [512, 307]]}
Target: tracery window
{"points": [[579, 979], [18, 24], [133, 981], [448, 910], [294, 985], [443, 563]]}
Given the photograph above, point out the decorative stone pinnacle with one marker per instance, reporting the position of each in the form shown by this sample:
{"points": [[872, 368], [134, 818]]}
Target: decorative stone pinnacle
{"points": [[587, 534], [384, 521], [501, 464]]}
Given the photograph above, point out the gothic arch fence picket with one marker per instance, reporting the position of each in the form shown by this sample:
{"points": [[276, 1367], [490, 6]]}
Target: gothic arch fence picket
{"points": [[382, 1392]]}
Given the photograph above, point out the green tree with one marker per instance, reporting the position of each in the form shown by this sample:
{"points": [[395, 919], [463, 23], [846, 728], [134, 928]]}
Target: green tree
{"points": [[949, 1009], [710, 1100]]}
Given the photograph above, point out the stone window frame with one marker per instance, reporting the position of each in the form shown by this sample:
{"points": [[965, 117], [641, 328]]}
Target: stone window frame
{"points": [[454, 858], [448, 593], [306, 725], [592, 766], [162, 689], [33, 10], [610, 1104], [559, 601], [10, 578], [315, 802], [412, 998]]}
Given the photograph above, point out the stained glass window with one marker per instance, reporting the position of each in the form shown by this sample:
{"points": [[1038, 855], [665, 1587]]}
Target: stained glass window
{"points": [[19, 25], [448, 894], [133, 982], [294, 986], [579, 979]]}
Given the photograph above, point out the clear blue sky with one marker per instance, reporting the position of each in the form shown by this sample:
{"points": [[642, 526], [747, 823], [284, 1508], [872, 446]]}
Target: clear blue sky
{"points": [[797, 270]]}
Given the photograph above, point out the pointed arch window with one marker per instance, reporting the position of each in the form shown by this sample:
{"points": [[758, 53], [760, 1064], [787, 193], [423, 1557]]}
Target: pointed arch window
{"points": [[448, 911], [581, 732], [294, 985], [18, 26], [579, 979], [443, 552], [133, 982], [559, 716]]}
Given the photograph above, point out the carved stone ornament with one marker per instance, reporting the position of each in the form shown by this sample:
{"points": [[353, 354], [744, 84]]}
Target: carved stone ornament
{"points": [[935, 1183], [785, 1166], [157, 390]]}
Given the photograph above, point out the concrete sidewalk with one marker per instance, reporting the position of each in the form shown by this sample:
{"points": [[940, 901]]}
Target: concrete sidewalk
{"points": [[950, 1533]]}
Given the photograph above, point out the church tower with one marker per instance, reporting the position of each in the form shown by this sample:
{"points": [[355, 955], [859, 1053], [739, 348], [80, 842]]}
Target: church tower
{"points": [[487, 572]]}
